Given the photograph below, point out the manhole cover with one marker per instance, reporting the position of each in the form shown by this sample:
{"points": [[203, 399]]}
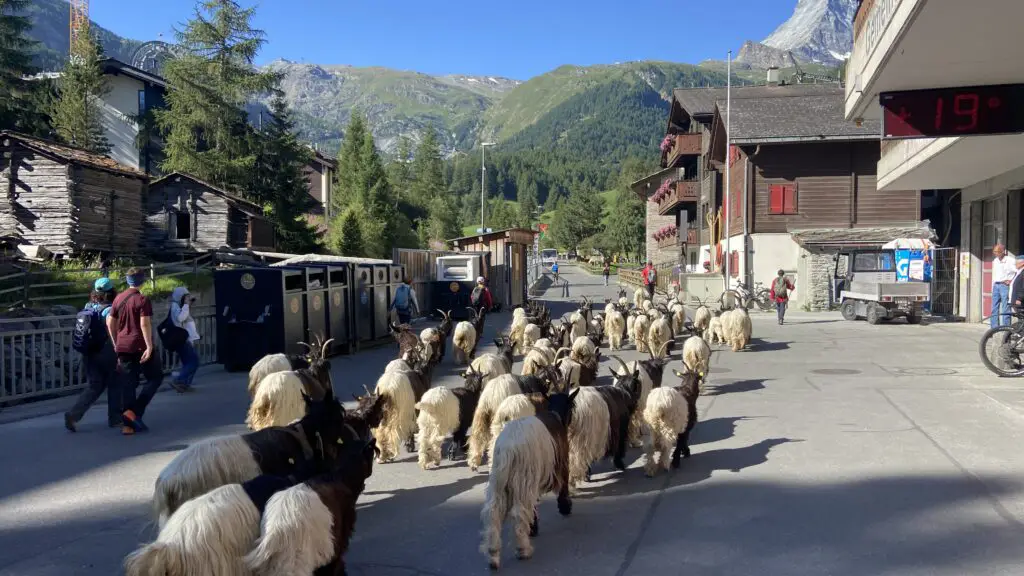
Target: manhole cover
{"points": [[717, 370], [835, 372], [925, 371]]}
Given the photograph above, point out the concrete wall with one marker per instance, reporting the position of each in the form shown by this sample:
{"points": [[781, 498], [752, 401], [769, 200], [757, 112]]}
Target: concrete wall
{"points": [[771, 252], [971, 287], [117, 109]]}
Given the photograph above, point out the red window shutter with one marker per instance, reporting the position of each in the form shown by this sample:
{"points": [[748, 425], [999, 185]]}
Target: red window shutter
{"points": [[737, 204], [789, 199], [734, 264], [776, 202]]}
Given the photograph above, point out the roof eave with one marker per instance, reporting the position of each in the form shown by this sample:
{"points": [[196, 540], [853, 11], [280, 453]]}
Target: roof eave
{"points": [[801, 139]]}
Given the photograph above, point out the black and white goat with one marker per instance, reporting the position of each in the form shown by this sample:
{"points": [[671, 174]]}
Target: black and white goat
{"points": [[277, 400], [671, 413], [652, 373], [447, 411], [600, 424]]}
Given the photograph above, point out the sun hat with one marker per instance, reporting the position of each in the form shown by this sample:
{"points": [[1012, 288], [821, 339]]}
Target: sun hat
{"points": [[103, 285], [479, 279]]}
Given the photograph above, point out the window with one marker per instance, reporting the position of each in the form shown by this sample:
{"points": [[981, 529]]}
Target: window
{"points": [[873, 262], [142, 102], [782, 199], [182, 225]]}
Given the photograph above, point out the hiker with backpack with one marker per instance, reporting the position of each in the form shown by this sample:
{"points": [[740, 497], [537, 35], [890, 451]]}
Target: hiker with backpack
{"points": [[480, 298], [404, 302], [91, 339], [650, 278], [130, 323], [779, 294]]}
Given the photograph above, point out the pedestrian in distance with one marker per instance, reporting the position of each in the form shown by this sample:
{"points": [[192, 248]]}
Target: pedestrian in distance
{"points": [[130, 323], [480, 298], [404, 302], [1017, 286], [554, 270], [606, 272], [91, 339], [650, 278], [1003, 271], [779, 294], [181, 315]]}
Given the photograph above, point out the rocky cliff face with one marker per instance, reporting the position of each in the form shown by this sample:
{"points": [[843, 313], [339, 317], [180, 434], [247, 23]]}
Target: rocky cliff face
{"points": [[818, 31], [759, 55]]}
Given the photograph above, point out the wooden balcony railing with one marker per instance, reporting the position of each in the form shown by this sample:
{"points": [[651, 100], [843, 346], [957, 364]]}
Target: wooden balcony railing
{"points": [[683, 191], [669, 241], [686, 145]]}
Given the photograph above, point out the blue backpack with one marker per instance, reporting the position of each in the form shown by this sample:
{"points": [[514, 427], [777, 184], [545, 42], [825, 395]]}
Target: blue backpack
{"points": [[90, 333], [402, 297]]}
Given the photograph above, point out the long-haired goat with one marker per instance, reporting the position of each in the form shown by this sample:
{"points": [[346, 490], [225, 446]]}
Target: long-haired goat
{"points": [[614, 326], [639, 295], [503, 358], [578, 325], [531, 334], [714, 333], [211, 533], [736, 328], [540, 355], [651, 372], [697, 355], [671, 413], [513, 408], [277, 400], [600, 424], [659, 337], [406, 338], [701, 319], [641, 327], [678, 318], [445, 411], [237, 458], [531, 458], [494, 392], [306, 528], [515, 331], [400, 390], [273, 363]]}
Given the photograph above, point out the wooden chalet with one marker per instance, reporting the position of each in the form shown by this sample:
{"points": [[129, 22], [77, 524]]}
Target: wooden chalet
{"points": [[795, 166], [69, 200], [319, 175], [185, 214]]}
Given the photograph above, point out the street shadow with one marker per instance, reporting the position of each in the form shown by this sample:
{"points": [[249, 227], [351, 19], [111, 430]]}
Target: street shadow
{"points": [[716, 429], [700, 466], [733, 387], [813, 321], [760, 345]]}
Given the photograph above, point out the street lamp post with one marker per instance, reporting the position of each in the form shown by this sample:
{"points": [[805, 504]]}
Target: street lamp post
{"points": [[483, 182]]}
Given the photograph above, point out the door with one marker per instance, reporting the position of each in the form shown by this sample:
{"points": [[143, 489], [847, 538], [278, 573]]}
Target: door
{"points": [[993, 231]]}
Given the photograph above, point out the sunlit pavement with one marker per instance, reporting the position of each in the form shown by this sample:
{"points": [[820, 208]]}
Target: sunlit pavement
{"points": [[829, 447]]}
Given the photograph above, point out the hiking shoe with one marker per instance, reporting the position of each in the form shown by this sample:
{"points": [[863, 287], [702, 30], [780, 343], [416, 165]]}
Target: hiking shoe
{"points": [[178, 387], [127, 430], [70, 423], [132, 421]]}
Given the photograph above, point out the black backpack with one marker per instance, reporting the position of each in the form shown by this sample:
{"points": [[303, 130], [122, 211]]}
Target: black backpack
{"points": [[90, 333], [474, 298]]}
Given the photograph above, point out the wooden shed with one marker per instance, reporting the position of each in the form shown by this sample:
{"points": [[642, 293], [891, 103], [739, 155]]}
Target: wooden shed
{"points": [[69, 200], [507, 274], [185, 214]]}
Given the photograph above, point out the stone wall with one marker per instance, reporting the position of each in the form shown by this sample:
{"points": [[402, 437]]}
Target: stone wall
{"points": [[655, 223], [822, 270]]}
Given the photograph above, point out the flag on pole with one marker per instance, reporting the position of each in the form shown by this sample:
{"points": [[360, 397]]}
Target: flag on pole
{"points": [[543, 229]]}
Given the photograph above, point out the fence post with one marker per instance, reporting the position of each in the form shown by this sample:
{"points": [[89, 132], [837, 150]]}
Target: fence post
{"points": [[28, 282], [152, 276]]}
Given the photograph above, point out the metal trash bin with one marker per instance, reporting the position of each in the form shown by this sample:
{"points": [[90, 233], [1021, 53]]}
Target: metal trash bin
{"points": [[259, 311], [339, 316], [380, 294], [316, 304], [361, 301]]}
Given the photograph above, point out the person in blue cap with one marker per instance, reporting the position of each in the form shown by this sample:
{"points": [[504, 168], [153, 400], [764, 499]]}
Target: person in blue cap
{"points": [[91, 338]]}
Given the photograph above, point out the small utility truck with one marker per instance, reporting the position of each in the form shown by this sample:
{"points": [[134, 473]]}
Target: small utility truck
{"points": [[869, 288]]}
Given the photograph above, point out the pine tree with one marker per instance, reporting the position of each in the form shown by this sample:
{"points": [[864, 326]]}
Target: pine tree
{"points": [[427, 169], [77, 112], [377, 202], [209, 85], [280, 184], [578, 218], [20, 106], [350, 163], [527, 199], [350, 236], [443, 222], [400, 171]]}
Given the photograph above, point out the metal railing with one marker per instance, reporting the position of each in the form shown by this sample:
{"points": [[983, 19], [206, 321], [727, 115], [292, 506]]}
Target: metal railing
{"points": [[36, 358]]}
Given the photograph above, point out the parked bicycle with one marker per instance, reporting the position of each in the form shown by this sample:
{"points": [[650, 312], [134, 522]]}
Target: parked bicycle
{"points": [[760, 296], [1007, 342]]}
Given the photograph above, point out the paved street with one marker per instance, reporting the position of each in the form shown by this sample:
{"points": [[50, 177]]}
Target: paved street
{"points": [[828, 447]]}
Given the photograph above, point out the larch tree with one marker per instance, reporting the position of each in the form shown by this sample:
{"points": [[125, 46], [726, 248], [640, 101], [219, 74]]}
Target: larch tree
{"points": [[578, 218], [427, 169], [209, 85], [22, 107], [77, 113], [280, 184], [350, 164]]}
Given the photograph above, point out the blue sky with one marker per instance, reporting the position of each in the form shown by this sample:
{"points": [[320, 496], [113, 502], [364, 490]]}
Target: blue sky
{"points": [[517, 39]]}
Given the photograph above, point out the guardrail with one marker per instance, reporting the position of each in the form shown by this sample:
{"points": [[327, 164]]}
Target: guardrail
{"points": [[36, 358]]}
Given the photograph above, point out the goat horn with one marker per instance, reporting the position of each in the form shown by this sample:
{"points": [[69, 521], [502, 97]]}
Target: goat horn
{"points": [[367, 390], [662, 349], [323, 350], [308, 347], [441, 311], [625, 369], [560, 350]]}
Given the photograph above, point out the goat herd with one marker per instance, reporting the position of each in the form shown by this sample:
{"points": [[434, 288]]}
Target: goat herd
{"points": [[281, 499]]}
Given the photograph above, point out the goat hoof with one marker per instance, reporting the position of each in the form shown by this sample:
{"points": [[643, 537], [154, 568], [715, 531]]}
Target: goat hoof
{"points": [[686, 452], [564, 506], [524, 553], [675, 462], [494, 564]]}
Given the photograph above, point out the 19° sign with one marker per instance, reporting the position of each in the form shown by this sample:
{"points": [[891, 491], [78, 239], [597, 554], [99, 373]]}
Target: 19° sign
{"points": [[964, 111]]}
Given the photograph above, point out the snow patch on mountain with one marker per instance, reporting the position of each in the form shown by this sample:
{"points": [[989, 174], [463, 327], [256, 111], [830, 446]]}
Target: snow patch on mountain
{"points": [[818, 31]]}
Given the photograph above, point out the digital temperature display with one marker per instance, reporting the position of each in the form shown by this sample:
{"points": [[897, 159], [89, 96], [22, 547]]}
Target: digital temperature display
{"points": [[966, 111]]}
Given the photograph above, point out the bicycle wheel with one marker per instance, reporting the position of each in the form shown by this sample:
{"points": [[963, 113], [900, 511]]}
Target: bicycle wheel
{"points": [[1008, 349]]}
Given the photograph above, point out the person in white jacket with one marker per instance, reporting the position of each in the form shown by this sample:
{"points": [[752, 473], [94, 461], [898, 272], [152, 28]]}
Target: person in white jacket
{"points": [[181, 315]]}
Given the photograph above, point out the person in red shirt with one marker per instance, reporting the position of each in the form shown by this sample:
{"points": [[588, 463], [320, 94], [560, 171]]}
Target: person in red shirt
{"points": [[650, 277], [481, 297], [130, 322], [779, 294]]}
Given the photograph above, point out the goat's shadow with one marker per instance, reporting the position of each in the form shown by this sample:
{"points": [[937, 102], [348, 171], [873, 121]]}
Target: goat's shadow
{"points": [[760, 345], [732, 387], [700, 466]]}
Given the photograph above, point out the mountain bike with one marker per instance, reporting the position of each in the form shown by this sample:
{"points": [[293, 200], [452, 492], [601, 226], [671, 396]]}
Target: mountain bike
{"points": [[1008, 347], [744, 297]]}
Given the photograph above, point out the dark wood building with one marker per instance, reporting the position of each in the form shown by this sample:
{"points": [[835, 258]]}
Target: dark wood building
{"points": [[795, 165], [506, 277], [185, 214], [69, 200], [319, 175]]}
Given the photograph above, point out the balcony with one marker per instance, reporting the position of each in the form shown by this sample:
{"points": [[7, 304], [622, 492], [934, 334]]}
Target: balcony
{"points": [[918, 44], [930, 163], [681, 191], [682, 145]]}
